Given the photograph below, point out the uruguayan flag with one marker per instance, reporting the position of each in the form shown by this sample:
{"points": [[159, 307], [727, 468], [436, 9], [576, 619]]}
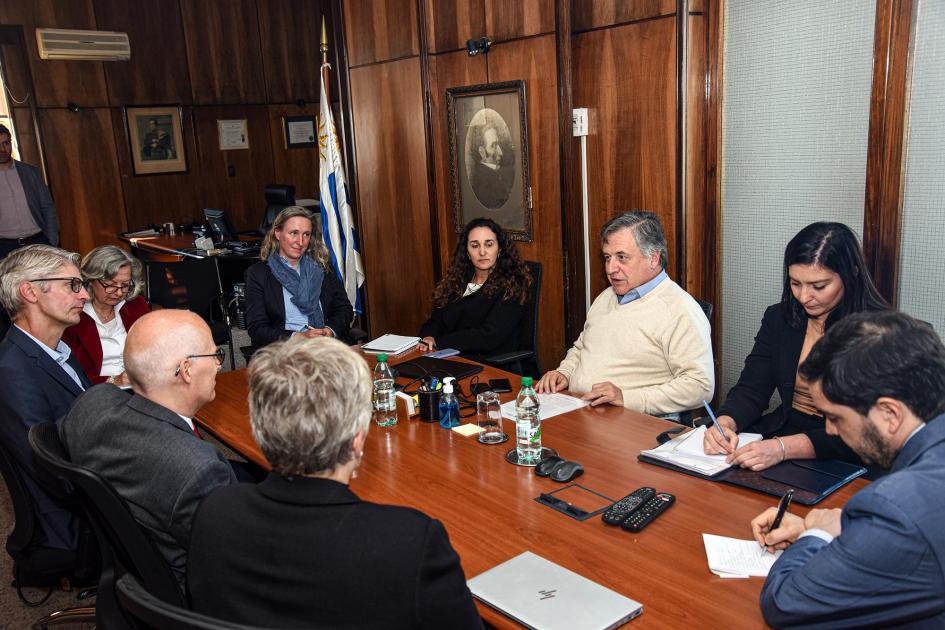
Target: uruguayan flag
{"points": [[337, 218]]}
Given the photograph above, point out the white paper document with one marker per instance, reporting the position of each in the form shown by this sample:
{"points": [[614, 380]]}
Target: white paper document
{"points": [[390, 344], [551, 405], [731, 557], [686, 451]]}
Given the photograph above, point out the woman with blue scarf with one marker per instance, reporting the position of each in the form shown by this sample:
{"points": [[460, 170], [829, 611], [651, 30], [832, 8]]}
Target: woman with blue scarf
{"points": [[293, 291]]}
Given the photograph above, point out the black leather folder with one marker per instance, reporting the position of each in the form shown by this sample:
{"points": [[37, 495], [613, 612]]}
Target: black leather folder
{"points": [[813, 480]]}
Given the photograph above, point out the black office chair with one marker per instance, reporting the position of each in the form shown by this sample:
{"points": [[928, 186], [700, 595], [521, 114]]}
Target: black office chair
{"points": [[124, 546], [278, 196], [524, 361], [193, 284], [148, 611], [34, 563]]}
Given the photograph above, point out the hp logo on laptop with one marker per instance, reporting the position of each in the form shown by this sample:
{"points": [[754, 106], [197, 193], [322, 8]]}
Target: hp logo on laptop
{"points": [[547, 594]]}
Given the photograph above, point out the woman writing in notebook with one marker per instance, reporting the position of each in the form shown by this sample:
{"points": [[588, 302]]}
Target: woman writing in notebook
{"points": [[825, 279], [479, 306], [294, 291]]}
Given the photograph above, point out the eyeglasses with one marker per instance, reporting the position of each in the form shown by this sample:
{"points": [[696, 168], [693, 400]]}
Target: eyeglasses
{"points": [[76, 284], [219, 355], [124, 287]]}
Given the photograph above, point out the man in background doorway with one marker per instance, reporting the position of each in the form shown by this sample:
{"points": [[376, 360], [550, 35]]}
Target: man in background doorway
{"points": [[27, 211]]}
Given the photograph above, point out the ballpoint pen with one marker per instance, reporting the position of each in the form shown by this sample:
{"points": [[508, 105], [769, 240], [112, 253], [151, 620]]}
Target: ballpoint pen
{"points": [[715, 420], [782, 508]]}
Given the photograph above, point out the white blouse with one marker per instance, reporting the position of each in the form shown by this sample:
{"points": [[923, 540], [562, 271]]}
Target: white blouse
{"points": [[112, 334]]}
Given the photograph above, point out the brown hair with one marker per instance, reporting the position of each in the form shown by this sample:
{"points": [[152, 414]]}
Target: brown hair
{"points": [[509, 277]]}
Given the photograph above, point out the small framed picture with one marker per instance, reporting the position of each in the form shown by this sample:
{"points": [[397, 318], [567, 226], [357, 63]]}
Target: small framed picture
{"points": [[489, 156], [233, 134], [156, 136], [300, 131]]}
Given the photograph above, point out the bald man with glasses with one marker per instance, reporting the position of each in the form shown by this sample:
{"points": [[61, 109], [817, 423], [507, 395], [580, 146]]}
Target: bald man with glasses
{"points": [[144, 443], [43, 294]]}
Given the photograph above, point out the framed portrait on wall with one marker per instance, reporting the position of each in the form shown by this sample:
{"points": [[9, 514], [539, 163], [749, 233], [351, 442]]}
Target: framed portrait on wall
{"points": [[489, 156], [156, 136]]}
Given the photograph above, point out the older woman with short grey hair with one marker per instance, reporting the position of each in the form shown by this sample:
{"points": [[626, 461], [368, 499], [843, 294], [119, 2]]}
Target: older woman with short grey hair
{"points": [[113, 277], [302, 530]]}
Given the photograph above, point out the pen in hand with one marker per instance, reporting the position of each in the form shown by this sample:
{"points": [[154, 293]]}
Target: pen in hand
{"points": [[715, 421], [782, 508]]}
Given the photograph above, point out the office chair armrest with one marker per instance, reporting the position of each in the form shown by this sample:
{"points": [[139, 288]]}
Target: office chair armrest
{"points": [[509, 357], [356, 335]]}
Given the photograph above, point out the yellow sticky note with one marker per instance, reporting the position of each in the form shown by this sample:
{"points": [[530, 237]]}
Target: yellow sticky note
{"points": [[467, 429]]}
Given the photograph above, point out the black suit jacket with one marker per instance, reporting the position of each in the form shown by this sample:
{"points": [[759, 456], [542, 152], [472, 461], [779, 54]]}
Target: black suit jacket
{"points": [[152, 459], [772, 365], [265, 306], [477, 325], [305, 552], [33, 389]]}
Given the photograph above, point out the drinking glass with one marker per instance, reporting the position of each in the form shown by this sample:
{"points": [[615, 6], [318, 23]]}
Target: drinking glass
{"points": [[489, 418]]}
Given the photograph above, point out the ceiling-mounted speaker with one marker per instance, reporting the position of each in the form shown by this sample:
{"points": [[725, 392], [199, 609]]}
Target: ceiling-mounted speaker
{"points": [[55, 43]]}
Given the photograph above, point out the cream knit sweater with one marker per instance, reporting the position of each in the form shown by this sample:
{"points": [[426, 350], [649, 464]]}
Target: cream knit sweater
{"points": [[657, 350]]}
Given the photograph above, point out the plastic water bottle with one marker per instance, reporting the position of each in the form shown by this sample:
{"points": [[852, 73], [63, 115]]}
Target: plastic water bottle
{"points": [[449, 406], [527, 424], [385, 407]]}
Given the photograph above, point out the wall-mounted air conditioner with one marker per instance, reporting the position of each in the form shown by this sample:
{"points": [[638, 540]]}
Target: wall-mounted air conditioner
{"points": [[55, 43]]}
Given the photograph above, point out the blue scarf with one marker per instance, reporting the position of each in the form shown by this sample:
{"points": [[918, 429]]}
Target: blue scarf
{"points": [[305, 287]]}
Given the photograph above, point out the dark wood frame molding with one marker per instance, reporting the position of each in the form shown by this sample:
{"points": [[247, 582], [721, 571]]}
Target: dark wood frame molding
{"points": [[889, 101]]}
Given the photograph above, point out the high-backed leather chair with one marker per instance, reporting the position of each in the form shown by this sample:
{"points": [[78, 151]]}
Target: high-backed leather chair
{"points": [[278, 196]]}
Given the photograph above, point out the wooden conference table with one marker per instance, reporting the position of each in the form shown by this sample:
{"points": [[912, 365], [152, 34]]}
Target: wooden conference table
{"points": [[488, 507]]}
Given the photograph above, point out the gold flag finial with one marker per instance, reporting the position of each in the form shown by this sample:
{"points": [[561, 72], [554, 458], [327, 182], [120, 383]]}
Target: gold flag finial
{"points": [[324, 46]]}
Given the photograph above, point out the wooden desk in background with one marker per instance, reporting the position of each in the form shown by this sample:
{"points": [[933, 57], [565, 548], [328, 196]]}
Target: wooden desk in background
{"points": [[488, 507]]}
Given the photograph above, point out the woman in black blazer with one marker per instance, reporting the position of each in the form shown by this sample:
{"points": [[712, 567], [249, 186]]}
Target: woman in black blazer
{"points": [[825, 279], [479, 306], [294, 277]]}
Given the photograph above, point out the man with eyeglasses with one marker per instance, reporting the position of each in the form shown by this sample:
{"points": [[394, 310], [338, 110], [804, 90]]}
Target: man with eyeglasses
{"points": [[144, 443], [42, 292]]}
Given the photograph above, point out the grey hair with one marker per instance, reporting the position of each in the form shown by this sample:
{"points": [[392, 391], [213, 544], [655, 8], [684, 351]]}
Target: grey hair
{"points": [[104, 263], [647, 232], [308, 399], [25, 264]]}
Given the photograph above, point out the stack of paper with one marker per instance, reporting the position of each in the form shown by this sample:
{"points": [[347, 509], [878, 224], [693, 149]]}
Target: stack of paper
{"points": [[550, 405], [687, 451], [390, 344], [734, 558]]}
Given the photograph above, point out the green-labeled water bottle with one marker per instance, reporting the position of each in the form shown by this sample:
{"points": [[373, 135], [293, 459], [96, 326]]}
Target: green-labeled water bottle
{"points": [[527, 424]]}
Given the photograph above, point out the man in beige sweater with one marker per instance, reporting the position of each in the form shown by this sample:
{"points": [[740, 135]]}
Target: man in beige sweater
{"points": [[646, 344]]}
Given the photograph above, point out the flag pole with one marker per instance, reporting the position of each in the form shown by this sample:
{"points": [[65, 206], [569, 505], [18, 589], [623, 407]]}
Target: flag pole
{"points": [[324, 50]]}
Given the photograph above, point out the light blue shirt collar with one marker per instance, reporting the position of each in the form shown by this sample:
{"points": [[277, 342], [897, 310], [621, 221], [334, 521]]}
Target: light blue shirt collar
{"points": [[60, 355], [642, 290]]}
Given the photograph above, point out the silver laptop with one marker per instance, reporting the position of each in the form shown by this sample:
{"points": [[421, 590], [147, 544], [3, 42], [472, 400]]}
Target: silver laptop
{"points": [[542, 595]]}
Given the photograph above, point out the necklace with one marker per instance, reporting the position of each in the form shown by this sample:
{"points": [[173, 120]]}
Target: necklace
{"points": [[104, 318]]}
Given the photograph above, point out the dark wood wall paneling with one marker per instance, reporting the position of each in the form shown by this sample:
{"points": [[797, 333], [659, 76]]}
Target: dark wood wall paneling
{"points": [[512, 20], [882, 221], [393, 200], [625, 75], [84, 176], [392, 193], [590, 14], [450, 24], [224, 57], [157, 71], [380, 31], [251, 59]]}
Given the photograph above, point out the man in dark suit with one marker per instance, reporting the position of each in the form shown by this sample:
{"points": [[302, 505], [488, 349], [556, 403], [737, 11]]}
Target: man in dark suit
{"points": [[300, 549], [144, 443], [42, 291], [27, 211], [879, 379]]}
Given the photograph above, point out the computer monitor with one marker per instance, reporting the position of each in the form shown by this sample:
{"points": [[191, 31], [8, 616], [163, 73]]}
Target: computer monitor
{"points": [[220, 225]]}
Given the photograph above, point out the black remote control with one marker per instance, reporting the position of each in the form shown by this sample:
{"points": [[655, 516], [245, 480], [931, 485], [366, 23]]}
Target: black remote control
{"points": [[619, 511], [653, 508]]}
